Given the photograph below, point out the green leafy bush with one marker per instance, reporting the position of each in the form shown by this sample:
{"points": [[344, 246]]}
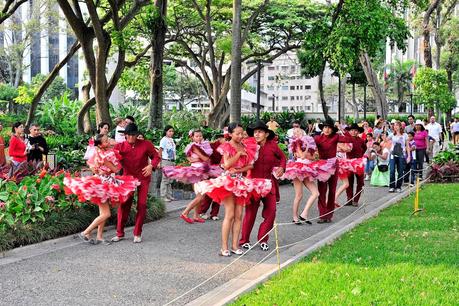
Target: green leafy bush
{"points": [[38, 209], [59, 115]]}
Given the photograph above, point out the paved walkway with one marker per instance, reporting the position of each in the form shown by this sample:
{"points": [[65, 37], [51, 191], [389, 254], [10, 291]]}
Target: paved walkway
{"points": [[172, 258]]}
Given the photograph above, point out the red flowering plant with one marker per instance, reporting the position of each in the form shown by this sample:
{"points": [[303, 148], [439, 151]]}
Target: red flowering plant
{"points": [[33, 199]]}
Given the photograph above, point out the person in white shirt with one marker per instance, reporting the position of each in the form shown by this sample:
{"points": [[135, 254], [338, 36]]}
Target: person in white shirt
{"points": [[167, 151], [296, 130], [455, 131], [120, 124], [435, 131]]}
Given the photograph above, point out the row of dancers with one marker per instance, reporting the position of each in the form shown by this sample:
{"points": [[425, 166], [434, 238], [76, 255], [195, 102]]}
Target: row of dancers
{"points": [[247, 176]]}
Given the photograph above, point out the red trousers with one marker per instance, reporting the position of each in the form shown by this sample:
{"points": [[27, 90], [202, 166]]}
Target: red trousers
{"points": [[205, 204], [125, 209], [276, 187], [326, 206], [350, 189], [268, 214]]}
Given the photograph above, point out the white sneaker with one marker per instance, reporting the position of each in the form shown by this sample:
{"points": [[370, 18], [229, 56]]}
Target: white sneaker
{"points": [[215, 218], [137, 239], [367, 177], [204, 216], [116, 239], [398, 190], [391, 190]]}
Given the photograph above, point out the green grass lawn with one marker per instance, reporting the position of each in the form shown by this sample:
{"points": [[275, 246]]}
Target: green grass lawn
{"points": [[393, 259]]}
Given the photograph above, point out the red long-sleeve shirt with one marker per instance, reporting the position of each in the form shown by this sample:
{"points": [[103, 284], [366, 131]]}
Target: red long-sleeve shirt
{"points": [[135, 157], [216, 157], [17, 149], [359, 148], [326, 145], [269, 156]]}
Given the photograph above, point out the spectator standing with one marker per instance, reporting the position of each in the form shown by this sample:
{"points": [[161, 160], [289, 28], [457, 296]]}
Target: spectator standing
{"points": [[317, 129], [435, 131], [119, 130], [167, 151], [37, 144], [296, 130], [421, 140], [399, 149], [2, 148], [17, 149], [273, 125], [455, 131], [410, 126], [380, 175]]}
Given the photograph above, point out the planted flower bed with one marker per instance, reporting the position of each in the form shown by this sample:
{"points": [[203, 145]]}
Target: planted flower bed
{"points": [[37, 209]]}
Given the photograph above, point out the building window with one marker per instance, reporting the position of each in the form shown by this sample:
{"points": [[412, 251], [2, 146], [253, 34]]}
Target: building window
{"points": [[308, 108], [284, 108], [284, 68], [292, 98], [284, 98], [307, 87], [307, 97], [270, 87], [271, 78], [285, 87], [271, 68], [292, 87]]}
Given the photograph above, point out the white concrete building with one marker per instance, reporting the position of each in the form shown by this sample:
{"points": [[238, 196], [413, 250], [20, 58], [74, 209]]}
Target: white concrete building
{"points": [[282, 82]]}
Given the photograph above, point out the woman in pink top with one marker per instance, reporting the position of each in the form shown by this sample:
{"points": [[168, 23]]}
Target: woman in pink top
{"points": [[421, 139]]}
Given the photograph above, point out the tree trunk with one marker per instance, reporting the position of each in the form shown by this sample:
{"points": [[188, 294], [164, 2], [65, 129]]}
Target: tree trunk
{"points": [[449, 73], [236, 55], [49, 80], [218, 117], [437, 37], [355, 107], [156, 66], [372, 80], [322, 97], [426, 33]]}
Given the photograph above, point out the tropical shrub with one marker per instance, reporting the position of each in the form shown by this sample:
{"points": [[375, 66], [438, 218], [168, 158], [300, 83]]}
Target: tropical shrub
{"points": [[37, 209], [59, 115]]}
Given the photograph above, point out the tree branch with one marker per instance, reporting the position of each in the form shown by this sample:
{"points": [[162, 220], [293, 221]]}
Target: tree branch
{"points": [[7, 11], [251, 20]]}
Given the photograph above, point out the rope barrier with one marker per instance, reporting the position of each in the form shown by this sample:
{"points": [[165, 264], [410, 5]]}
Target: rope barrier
{"points": [[276, 225]]}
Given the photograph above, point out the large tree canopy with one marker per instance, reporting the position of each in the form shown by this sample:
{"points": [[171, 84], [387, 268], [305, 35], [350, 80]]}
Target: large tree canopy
{"points": [[200, 40]]}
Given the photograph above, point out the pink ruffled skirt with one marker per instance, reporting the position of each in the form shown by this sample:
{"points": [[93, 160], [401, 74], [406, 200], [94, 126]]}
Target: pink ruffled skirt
{"points": [[244, 189], [100, 189]]}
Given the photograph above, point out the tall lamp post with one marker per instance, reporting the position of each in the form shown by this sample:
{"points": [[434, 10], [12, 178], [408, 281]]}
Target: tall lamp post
{"points": [[259, 64], [274, 103]]}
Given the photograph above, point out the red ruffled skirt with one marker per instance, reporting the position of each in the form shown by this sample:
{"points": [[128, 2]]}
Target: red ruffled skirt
{"points": [[192, 174], [320, 170], [99, 189], [347, 166], [244, 189]]}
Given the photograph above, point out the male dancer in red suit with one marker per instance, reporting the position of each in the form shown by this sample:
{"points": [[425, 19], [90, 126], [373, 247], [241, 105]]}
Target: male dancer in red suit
{"points": [[326, 145], [358, 149], [269, 157], [134, 159]]}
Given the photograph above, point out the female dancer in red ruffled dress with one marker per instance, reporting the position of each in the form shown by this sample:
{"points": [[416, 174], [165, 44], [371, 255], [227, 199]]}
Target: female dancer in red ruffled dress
{"points": [[198, 154], [304, 171], [346, 166], [102, 189], [233, 189]]}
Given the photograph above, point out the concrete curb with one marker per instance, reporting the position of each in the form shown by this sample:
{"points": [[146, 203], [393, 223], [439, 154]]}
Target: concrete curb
{"points": [[228, 292]]}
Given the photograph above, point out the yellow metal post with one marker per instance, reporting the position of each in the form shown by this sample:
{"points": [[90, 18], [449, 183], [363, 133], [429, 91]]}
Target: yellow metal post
{"points": [[416, 198]]}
